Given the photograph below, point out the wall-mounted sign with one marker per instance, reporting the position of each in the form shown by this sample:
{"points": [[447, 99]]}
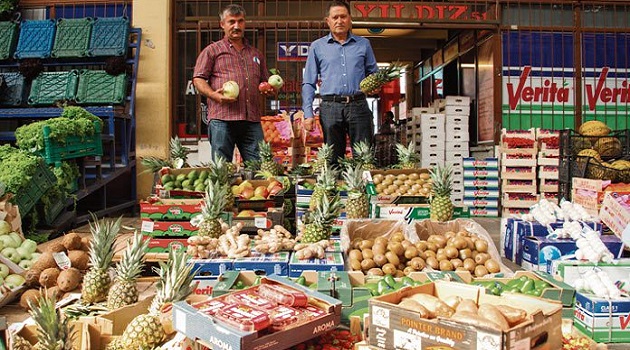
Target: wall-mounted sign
{"points": [[422, 10], [451, 51], [292, 51], [437, 58]]}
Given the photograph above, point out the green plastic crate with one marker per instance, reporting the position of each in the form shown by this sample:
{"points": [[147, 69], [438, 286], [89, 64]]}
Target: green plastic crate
{"points": [[74, 146], [8, 39], [52, 212], [42, 180], [72, 38], [50, 87], [98, 87]]}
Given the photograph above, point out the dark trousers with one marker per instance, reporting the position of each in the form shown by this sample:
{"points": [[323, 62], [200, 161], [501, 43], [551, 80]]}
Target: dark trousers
{"points": [[244, 134], [339, 119]]}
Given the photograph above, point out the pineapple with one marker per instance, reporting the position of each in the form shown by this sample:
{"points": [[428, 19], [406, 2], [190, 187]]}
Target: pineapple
{"points": [[441, 204], [365, 155], [319, 225], [326, 183], [357, 205], [213, 204], [380, 78], [19, 343], [324, 156], [220, 172], [124, 291], [179, 153], [53, 332], [407, 156], [266, 157], [175, 277], [96, 281]]}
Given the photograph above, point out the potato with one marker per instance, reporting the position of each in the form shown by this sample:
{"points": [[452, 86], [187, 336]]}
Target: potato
{"points": [[69, 279], [491, 313], [79, 259], [55, 247], [435, 306], [412, 305], [72, 241], [48, 277], [31, 295], [513, 315]]}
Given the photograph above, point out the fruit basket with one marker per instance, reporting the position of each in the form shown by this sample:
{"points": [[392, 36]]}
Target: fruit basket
{"points": [[615, 145]]}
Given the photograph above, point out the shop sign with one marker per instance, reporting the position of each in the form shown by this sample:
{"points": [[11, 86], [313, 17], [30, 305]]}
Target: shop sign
{"points": [[605, 89], [292, 51], [420, 10]]}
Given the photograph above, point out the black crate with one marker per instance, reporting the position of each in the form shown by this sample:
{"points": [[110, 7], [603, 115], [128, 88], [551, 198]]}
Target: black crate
{"points": [[571, 143]]}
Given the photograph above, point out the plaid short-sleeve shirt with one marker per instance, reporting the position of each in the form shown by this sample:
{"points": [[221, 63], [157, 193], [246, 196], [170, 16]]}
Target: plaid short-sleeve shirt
{"points": [[220, 62]]}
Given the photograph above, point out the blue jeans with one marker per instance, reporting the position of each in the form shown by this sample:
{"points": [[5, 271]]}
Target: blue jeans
{"points": [[244, 134], [339, 119]]}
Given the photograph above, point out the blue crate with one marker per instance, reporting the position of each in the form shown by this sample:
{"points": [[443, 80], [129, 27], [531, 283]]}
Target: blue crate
{"points": [[8, 39], [110, 37], [72, 37], [14, 89], [50, 87], [36, 39]]}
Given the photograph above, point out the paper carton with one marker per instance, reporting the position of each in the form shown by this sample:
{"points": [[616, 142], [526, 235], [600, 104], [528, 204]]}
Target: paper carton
{"points": [[331, 262]]}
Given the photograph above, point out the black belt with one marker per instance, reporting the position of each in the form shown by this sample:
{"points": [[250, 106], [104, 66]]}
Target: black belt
{"points": [[343, 98]]}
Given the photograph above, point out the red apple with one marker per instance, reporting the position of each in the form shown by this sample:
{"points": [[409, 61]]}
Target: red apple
{"points": [[265, 87], [261, 191]]}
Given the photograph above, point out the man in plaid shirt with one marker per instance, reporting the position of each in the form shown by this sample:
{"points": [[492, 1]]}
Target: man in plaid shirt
{"points": [[232, 121]]}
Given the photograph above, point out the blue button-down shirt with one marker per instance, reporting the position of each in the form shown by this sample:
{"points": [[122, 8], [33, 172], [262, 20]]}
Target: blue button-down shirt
{"points": [[341, 67]]}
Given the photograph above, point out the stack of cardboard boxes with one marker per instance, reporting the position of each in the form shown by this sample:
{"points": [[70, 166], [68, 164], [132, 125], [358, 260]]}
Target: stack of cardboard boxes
{"points": [[518, 171]]}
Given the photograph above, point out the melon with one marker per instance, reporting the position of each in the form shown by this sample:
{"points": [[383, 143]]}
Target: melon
{"points": [[590, 153], [580, 143], [594, 128], [608, 147]]}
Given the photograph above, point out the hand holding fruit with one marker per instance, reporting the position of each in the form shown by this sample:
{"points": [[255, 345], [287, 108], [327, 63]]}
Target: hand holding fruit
{"points": [[228, 93], [266, 89]]}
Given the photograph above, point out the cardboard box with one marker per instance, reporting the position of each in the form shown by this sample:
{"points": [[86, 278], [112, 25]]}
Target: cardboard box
{"points": [[264, 264], [571, 270], [114, 322], [518, 172], [168, 228], [165, 244], [482, 192], [457, 100], [263, 220], [169, 209], [8, 295], [458, 133], [392, 327], [519, 200], [484, 212], [333, 261], [519, 185], [538, 252], [548, 161], [456, 155], [457, 120], [602, 320], [480, 173], [457, 110], [164, 193], [488, 203], [488, 183], [419, 111], [548, 172], [210, 332], [548, 185], [451, 146], [211, 267], [410, 212], [226, 283], [487, 163], [517, 230], [259, 204], [86, 336], [616, 217], [513, 212], [506, 160]]}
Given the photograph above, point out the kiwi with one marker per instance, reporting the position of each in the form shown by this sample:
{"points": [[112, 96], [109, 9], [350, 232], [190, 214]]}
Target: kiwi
{"points": [[366, 243], [481, 258], [432, 262], [446, 265], [378, 248], [451, 252], [392, 258], [492, 266], [375, 271], [397, 237], [389, 269], [459, 243], [457, 262], [367, 264], [481, 246], [438, 240], [411, 252], [406, 244], [418, 264], [470, 264], [431, 246], [380, 259], [356, 243], [367, 253], [399, 274], [381, 241], [408, 270], [421, 246], [355, 264], [397, 248], [72, 241], [355, 254], [480, 271], [465, 253], [441, 256]]}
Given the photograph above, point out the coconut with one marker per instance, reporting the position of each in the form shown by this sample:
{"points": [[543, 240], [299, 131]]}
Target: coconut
{"points": [[85, 243], [79, 259], [72, 241], [45, 261], [48, 277], [55, 247], [32, 295], [32, 277], [69, 279]]}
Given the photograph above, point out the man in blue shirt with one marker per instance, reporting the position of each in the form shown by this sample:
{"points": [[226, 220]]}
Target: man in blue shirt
{"points": [[342, 60]]}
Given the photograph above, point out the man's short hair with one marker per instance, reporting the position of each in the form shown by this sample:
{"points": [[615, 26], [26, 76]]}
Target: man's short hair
{"points": [[335, 4], [232, 9]]}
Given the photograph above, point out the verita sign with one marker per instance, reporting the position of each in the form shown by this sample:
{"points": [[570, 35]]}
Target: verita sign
{"points": [[458, 12]]}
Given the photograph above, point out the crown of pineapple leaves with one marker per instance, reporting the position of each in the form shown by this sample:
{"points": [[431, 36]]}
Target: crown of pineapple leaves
{"points": [[441, 177], [130, 266], [406, 154], [353, 177], [264, 149], [326, 210], [53, 331], [177, 158], [175, 280], [327, 178], [213, 202], [219, 170]]}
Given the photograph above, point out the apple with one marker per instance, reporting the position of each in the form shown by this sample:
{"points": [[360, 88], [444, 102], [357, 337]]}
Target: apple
{"points": [[11, 254], [4, 270], [26, 264], [261, 191], [257, 198], [16, 238], [246, 184], [275, 190], [35, 256], [265, 87], [247, 193], [245, 213], [7, 242], [30, 245], [230, 89], [276, 81], [14, 281], [236, 190], [24, 253], [5, 227], [272, 184]]}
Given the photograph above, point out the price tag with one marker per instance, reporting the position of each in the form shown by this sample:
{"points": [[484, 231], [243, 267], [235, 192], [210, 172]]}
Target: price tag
{"points": [[367, 176], [147, 226], [260, 222], [165, 194], [62, 260]]}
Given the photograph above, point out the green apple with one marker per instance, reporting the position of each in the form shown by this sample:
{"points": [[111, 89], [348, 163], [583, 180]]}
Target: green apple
{"points": [[14, 281], [35, 256], [5, 227], [30, 245], [4, 270], [24, 253], [7, 241], [16, 238], [11, 254], [26, 264]]}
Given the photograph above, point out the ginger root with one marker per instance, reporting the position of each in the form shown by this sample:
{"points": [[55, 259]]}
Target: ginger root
{"points": [[275, 240], [315, 250]]}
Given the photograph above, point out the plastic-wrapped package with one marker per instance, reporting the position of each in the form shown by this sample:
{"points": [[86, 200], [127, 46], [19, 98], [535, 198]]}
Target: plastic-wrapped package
{"points": [[244, 317], [285, 317], [210, 306], [283, 295], [252, 298]]}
